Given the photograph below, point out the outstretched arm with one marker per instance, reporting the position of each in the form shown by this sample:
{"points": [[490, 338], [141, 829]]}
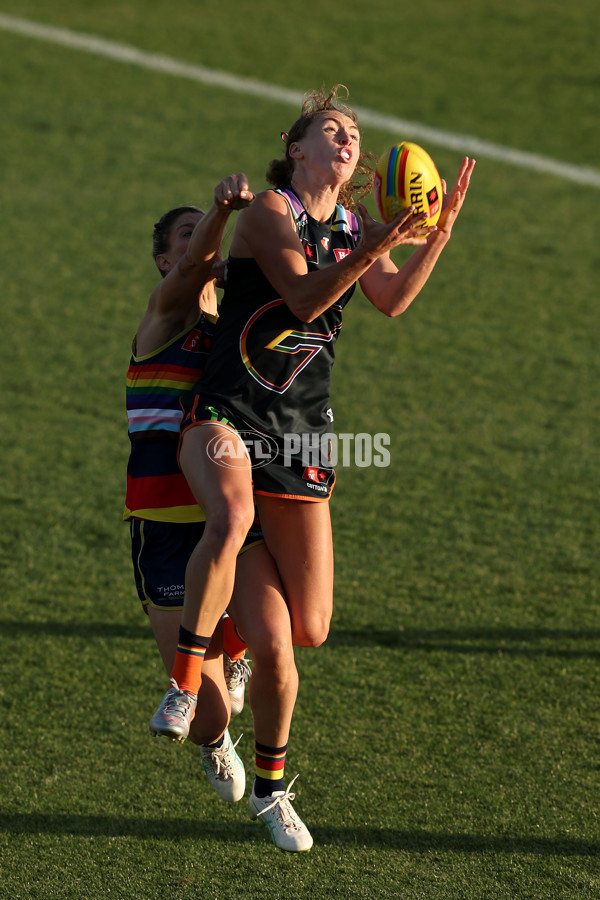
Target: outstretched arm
{"points": [[176, 298], [266, 232], [180, 288], [391, 289]]}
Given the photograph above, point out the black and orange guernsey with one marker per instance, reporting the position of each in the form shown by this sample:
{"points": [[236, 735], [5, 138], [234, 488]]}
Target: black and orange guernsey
{"points": [[269, 368]]}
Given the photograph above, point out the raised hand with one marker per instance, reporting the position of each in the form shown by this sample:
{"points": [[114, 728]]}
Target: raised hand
{"points": [[379, 238], [233, 192], [454, 200]]}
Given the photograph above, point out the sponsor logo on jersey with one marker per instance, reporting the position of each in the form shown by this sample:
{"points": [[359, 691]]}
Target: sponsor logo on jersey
{"points": [[311, 252], [325, 242], [194, 342], [340, 253]]}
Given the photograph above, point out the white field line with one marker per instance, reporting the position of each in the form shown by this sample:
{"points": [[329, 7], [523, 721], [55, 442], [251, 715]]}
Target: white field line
{"points": [[464, 144]]}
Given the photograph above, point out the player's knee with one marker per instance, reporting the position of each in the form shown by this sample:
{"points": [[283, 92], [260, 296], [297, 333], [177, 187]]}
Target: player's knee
{"points": [[275, 661], [276, 655], [310, 633], [228, 526]]}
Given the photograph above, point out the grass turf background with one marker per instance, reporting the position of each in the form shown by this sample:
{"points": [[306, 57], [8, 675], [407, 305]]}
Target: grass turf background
{"points": [[447, 733]]}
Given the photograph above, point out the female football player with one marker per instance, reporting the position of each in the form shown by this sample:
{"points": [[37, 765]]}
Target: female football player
{"points": [[170, 348], [294, 261]]}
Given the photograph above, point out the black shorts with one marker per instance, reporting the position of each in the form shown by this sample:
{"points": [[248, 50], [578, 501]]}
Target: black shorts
{"points": [[281, 467], [160, 552]]}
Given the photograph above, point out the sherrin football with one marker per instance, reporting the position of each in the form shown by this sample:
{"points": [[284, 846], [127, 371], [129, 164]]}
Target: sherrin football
{"points": [[405, 176]]}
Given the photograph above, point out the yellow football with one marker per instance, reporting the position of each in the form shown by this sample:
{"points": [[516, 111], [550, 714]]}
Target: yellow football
{"points": [[407, 176]]}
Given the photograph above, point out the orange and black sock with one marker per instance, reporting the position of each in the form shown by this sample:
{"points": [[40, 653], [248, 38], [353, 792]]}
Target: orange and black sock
{"points": [[187, 668], [233, 643], [270, 764]]}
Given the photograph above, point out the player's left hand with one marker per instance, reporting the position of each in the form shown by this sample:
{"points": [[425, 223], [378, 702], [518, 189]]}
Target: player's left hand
{"points": [[453, 201], [233, 192], [406, 228]]}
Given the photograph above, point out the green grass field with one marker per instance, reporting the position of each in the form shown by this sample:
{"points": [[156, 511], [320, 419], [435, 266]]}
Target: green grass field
{"points": [[447, 734]]}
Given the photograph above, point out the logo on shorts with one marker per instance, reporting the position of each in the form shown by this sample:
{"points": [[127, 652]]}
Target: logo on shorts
{"points": [[311, 473], [232, 447], [171, 590], [320, 488]]}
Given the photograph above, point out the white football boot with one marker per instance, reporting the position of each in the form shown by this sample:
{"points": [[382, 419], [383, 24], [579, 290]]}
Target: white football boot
{"points": [[285, 825], [174, 715], [224, 769]]}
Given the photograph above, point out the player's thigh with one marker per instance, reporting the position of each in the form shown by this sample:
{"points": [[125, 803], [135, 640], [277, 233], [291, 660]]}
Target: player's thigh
{"points": [[298, 535], [216, 466], [258, 604]]}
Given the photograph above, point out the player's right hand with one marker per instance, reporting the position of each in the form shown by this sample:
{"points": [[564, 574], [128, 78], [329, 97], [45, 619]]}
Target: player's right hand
{"points": [[233, 192]]}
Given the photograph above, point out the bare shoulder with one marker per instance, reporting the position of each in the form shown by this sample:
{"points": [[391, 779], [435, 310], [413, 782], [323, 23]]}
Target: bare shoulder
{"points": [[265, 202], [269, 213]]}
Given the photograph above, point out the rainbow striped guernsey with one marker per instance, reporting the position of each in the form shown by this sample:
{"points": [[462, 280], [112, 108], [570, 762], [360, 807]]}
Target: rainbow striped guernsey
{"points": [[156, 488]]}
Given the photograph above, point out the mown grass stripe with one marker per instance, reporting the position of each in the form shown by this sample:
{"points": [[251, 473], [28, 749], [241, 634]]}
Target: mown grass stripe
{"points": [[467, 144]]}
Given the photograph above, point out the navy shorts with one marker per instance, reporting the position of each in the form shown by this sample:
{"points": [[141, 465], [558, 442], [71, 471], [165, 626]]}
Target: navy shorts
{"points": [[160, 552], [277, 470]]}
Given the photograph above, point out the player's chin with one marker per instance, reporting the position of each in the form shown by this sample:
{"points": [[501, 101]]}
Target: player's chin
{"points": [[344, 169]]}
